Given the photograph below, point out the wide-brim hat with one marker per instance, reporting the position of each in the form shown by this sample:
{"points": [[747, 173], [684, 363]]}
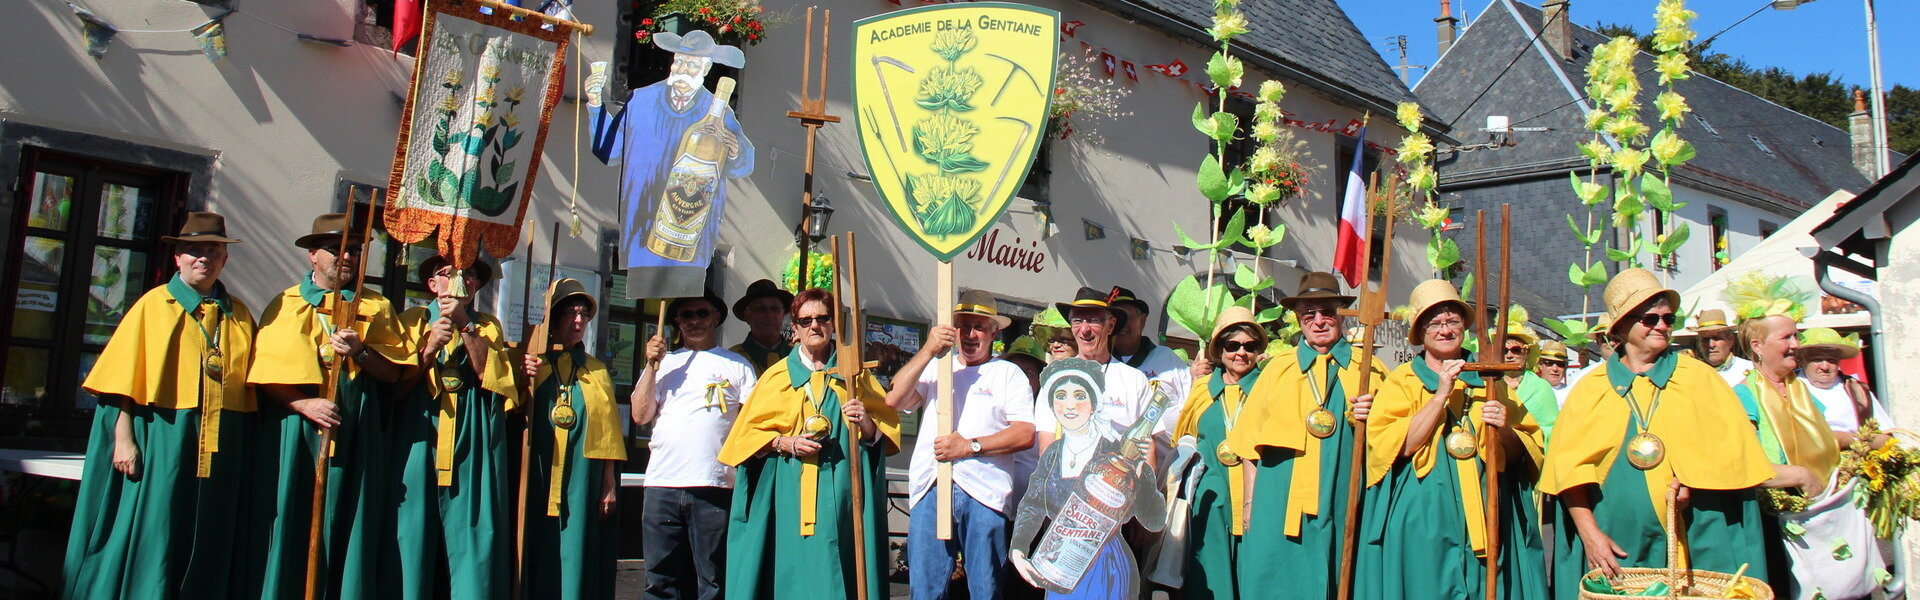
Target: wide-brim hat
{"points": [[1553, 350], [719, 306], [1429, 295], [1088, 298], [1316, 285], [1233, 315], [202, 227], [1631, 289], [760, 289], [1712, 319], [981, 303], [568, 288], [1823, 338], [1124, 297], [481, 270], [700, 43], [330, 226]]}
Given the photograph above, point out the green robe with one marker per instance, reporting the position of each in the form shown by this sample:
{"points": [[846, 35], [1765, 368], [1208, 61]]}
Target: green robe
{"points": [[1212, 569], [766, 555], [571, 556], [1317, 549]]}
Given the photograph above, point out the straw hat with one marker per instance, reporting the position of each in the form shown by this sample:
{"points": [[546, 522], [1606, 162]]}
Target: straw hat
{"points": [[202, 227], [981, 303], [1428, 295], [1316, 285], [567, 288], [1233, 315], [1827, 339], [1711, 320], [1553, 350], [1629, 290]]}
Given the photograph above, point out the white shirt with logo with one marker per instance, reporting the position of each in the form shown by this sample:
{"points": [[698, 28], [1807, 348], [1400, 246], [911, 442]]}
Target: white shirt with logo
{"points": [[1122, 402], [988, 398], [699, 394]]}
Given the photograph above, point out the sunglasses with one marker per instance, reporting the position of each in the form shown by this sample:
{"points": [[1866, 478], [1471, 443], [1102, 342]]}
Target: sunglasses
{"points": [[699, 313], [812, 321], [1312, 313], [1234, 346], [1651, 320]]}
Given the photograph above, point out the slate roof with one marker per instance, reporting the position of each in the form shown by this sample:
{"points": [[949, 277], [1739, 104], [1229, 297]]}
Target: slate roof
{"points": [[1311, 41], [1750, 148]]}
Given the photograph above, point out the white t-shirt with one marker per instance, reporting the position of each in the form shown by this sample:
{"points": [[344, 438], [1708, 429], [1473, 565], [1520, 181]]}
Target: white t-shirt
{"points": [[1735, 370], [990, 397], [692, 424], [1164, 366], [1560, 393], [1122, 402], [1838, 408]]}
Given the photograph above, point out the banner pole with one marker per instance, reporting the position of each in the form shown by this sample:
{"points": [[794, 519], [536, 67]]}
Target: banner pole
{"points": [[943, 307]]}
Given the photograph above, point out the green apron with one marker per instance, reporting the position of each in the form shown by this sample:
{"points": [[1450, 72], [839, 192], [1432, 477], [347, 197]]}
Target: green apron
{"points": [[1317, 549], [358, 511], [572, 556], [1211, 569]]}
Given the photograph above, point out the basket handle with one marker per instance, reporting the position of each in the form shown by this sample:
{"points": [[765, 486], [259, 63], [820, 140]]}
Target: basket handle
{"points": [[1673, 544]]}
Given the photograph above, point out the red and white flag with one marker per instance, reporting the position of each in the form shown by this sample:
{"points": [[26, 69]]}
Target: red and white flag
{"points": [[1107, 64], [1127, 66], [406, 22], [1070, 27], [1172, 69], [1350, 249]]}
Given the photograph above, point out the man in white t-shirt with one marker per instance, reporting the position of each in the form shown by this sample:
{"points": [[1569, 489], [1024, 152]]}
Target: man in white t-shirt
{"points": [[990, 449], [691, 396], [1157, 362], [1125, 398]]}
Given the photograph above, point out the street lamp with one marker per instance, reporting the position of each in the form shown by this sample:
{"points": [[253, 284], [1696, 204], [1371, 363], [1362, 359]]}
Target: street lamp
{"points": [[818, 214], [1880, 145]]}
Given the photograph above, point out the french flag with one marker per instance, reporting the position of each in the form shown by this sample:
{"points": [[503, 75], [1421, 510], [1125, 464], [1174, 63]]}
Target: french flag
{"points": [[1352, 244]]}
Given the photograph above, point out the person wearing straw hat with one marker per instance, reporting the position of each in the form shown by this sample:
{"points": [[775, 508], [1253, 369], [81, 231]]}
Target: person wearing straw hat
{"points": [[791, 535], [1092, 318], [691, 396], [1716, 340], [1845, 401], [990, 448], [451, 429], [1523, 347], [292, 355], [1552, 367], [575, 447], [1427, 532], [1647, 422], [164, 463], [764, 309]]}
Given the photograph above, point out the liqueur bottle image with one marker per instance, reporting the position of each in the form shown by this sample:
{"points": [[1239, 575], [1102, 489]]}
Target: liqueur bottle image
{"points": [[687, 202]]}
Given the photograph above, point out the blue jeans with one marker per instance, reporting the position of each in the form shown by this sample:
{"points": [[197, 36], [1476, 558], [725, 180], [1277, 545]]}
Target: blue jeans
{"points": [[979, 536]]}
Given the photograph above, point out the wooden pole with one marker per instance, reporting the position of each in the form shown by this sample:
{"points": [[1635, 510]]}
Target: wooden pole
{"points": [[1372, 312], [847, 334], [943, 408], [1498, 388], [812, 115], [526, 440], [341, 314]]}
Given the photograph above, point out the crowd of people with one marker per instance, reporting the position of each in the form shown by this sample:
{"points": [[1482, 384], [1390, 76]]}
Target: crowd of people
{"points": [[200, 474]]}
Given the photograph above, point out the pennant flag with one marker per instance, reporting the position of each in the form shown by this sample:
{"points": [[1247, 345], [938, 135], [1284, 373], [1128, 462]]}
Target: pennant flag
{"points": [[1127, 66], [213, 37], [1172, 69], [1351, 244], [406, 22], [1067, 28], [1106, 63], [98, 33], [1138, 247], [1094, 230]]}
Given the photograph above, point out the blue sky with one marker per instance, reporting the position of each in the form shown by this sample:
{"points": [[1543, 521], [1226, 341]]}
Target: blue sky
{"points": [[1822, 36]]}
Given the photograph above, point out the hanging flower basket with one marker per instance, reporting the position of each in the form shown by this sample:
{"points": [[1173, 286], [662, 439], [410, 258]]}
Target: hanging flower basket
{"points": [[731, 22]]}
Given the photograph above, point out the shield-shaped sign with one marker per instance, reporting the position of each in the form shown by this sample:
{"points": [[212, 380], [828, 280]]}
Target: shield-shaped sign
{"points": [[952, 102]]}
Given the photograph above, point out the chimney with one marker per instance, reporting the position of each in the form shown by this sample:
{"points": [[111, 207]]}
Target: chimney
{"points": [[1557, 29], [1448, 25], [1860, 130]]}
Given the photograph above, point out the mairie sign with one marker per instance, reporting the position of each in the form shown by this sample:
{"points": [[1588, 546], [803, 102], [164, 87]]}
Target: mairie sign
{"points": [[952, 101]]}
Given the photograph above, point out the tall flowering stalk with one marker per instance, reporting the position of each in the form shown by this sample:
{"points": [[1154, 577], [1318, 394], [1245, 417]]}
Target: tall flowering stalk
{"points": [[1416, 152]]}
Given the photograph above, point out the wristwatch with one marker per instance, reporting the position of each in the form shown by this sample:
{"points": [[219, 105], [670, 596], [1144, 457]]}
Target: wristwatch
{"points": [[974, 445]]}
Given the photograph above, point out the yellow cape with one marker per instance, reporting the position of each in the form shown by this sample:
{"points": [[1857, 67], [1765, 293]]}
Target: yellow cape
{"points": [[291, 338], [1799, 424], [1284, 397], [1710, 445], [498, 378], [1233, 401], [157, 357], [595, 397], [777, 408]]}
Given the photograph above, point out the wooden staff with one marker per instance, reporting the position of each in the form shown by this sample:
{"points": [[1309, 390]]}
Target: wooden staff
{"points": [[533, 342], [1371, 313], [1492, 372], [341, 314], [812, 115], [851, 366]]}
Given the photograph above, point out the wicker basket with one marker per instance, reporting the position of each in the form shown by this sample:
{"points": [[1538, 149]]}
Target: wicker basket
{"points": [[1687, 584]]}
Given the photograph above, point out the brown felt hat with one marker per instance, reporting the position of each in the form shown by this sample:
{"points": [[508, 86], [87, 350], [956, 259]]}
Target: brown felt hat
{"points": [[327, 227], [1317, 285], [481, 270], [1431, 294], [567, 288], [1631, 289], [761, 289], [1123, 296], [1090, 298], [202, 227]]}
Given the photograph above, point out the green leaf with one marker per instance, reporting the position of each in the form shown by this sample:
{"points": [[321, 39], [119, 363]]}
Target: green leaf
{"points": [[1225, 125], [1596, 274], [1589, 193], [1658, 195], [1578, 233], [1236, 230], [441, 145], [1270, 315], [1617, 255], [1245, 278], [1626, 202], [1195, 306], [1237, 182], [1225, 71], [1673, 240], [503, 174], [1442, 253], [1187, 240], [1202, 121], [1213, 180], [1466, 286], [1576, 274]]}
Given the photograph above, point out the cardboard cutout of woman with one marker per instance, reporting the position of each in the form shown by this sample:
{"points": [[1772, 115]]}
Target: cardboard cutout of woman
{"points": [[1090, 481]]}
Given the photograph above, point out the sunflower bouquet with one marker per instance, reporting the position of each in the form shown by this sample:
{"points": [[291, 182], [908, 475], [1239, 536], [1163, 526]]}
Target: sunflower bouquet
{"points": [[1889, 479]]}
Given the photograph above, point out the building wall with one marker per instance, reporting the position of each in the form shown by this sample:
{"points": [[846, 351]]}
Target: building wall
{"points": [[1899, 294], [284, 120]]}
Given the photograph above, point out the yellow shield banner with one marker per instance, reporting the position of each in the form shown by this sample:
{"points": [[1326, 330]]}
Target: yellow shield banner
{"points": [[952, 102]]}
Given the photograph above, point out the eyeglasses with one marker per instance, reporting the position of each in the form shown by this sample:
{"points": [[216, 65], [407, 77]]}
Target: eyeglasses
{"points": [[1319, 313], [812, 321], [1450, 324], [1553, 363], [1652, 320], [1236, 346], [1516, 349], [1087, 320], [700, 313]]}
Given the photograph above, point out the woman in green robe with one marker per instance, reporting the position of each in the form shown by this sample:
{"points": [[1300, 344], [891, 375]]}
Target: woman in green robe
{"points": [[791, 534], [163, 476], [1216, 515], [573, 479], [1427, 447]]}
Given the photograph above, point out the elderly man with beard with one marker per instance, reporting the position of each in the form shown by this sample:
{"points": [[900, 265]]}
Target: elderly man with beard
{"points": [[644, 138], [992, 431], [690, 396]]}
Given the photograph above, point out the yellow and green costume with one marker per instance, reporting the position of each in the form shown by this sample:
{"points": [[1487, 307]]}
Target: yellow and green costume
{"points": [[1709, 445], [791, 535], [1216, 516], [452, 432], [762, 357], [570, 547], [361, 553], [179, 361], [1793, 430], [1424, 530]]}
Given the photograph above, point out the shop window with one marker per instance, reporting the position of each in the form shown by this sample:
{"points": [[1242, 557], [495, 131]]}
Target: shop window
{"points": [[87, 236]]}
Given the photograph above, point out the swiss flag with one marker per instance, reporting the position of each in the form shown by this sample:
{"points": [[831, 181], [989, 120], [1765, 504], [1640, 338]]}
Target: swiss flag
{"points": [[1172, 69], [1106, 63], [1070, 26], [1132, 73], [1352, 243], [406, 22]]}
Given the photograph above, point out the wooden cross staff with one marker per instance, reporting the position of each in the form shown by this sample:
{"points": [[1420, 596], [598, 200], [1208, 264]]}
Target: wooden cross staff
{"points": [[1493, 372], [342, 314], [533, 342], [1371, 312], [848, 334], [812, 115]]}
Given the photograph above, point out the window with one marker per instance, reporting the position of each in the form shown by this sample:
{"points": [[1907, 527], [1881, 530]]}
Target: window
{"points": [[1717, 229], [1758, 143], [87, 234], [1706, 125], [638, 63], [1235, 156], [1767, 228]]}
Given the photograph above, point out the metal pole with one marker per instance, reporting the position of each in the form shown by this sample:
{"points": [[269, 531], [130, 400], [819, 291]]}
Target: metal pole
{"points": [[1880, 145]]}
